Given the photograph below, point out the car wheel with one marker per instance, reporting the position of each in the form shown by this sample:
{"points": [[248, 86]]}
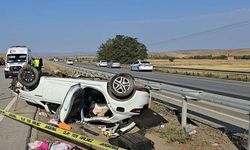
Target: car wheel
{"points": [[6, 76], [28, 76], [121, 85]]}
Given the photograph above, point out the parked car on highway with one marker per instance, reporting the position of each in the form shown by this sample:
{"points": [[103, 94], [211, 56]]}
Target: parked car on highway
{"points": [[95, 101], [114, 64], [141, 65], [101, 63], [70, 62]]}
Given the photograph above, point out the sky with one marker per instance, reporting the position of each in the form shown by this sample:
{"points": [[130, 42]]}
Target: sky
{"points": [[81, 26]]}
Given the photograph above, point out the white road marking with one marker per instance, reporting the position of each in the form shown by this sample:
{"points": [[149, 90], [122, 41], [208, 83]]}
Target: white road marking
{"points": [[7, 108]]}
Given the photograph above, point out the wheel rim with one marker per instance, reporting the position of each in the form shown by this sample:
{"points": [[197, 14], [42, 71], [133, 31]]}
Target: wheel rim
{"points": [[28, 76], [121, 85]]}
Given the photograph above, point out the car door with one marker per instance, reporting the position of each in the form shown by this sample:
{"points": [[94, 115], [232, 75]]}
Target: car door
{"points": [[72, 104]]}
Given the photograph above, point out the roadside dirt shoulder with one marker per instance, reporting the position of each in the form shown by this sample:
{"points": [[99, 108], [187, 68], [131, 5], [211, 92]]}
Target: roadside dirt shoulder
{"points": [[166, 136]]}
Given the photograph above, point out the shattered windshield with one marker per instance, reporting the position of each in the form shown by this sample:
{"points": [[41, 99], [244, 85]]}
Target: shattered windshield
{"points": [[11, 58]]}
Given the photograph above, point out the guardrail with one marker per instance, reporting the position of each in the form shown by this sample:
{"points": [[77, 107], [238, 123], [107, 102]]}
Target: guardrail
{"points": [[188, 95]]}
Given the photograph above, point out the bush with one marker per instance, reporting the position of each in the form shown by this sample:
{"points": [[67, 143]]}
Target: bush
{"points": [[1, 61], [171, 59]]}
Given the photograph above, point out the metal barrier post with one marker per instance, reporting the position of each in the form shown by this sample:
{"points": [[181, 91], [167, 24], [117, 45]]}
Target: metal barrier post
{"points": [[150, 97], [248, 143], [150, 101], [184, 112]]}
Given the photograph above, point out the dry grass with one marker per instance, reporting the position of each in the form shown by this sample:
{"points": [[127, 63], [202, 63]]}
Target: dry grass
{"points": [[235, 65], [172, 136], [239, 65], [53, 68], [213, 52], [171, 132], [229, 76], [62, 71]]}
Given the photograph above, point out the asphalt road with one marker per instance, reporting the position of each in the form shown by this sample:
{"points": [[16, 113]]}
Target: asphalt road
{"points": [[13, 135], [230, 88]]}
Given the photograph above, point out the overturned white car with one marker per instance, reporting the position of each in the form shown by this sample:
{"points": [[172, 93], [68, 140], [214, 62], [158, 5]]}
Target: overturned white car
{"points": [[94, 101]]}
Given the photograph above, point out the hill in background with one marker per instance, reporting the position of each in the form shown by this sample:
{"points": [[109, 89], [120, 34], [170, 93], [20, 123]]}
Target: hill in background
{"points": [[178, 53], [213, 52]]}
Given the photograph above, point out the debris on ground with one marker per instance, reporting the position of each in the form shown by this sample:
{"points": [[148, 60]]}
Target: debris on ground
{"points": [[162, 135], [45, 145], [166, 136], [190, 129], [133, 141], [44, 114], [239, 139], [53, 122], [64, 126], [173, 136]]}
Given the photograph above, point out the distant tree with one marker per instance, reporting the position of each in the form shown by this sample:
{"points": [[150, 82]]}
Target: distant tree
{"points": [[246, 57], [220, 57], [122, 48], [201, 57], [171, 59]]}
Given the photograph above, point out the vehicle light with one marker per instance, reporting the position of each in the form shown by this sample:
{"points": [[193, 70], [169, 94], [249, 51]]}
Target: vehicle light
{"points": [[143, 90], [136, 110]]}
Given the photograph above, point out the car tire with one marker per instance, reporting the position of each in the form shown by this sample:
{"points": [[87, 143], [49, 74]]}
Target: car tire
{"points": [[28, 76], [6, 76], [121, 85]]}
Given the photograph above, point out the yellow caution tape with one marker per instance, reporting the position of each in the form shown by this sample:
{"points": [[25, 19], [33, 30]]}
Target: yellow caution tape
{"points": [[65, 133]]}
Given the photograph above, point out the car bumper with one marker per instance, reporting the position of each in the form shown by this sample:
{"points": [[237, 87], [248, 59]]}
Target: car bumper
{"points": [[103, 65], [146, 68], [116, 66], [11, 73]]}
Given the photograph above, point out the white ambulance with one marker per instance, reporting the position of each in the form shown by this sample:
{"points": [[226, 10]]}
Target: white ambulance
{"points": [[16, 58]]}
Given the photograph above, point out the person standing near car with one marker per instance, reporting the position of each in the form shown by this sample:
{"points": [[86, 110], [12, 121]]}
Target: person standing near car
{"points": [[36, 64], [40, 64]]}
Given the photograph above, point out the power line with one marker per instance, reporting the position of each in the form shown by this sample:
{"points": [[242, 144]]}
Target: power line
{"points": [[217, 29]]}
